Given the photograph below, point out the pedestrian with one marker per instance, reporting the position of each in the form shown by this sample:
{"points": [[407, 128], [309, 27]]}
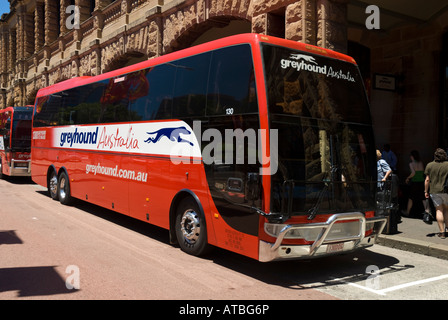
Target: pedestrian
{"points": [[416, 182], [436, 173], [383, 169], [390, 157], [384, 196]]}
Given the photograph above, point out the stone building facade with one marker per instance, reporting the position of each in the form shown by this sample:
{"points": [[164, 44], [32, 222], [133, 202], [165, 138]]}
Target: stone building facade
{"points": [[37, 49]]}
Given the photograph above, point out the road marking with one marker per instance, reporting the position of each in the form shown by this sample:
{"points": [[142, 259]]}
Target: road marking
{"points": [[410, 284], [397, 287]]}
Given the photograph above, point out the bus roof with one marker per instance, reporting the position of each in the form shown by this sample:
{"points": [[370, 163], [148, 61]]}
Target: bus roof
{"points": [[228, 41]]}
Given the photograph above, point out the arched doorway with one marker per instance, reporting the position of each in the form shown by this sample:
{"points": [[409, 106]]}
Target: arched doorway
{"points": [[125, 60], [212, 29]]}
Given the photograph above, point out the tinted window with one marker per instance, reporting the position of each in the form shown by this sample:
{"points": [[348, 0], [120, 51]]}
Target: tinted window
{"points": [[231, 88], [81, 104], [230, 159], [222, 81], [99, 102], [152, 93], [322, 162], [114, 101], [303, 84], [191, 85], [47, 110]]}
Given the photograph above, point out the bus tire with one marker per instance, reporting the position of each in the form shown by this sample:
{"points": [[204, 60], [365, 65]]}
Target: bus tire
{"points": [[53, 185], [190, 228], [64, 189]]}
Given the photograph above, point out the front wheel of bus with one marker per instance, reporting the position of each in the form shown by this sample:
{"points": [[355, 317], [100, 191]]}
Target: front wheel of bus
{"points": [[64, 189], [191, 231]]}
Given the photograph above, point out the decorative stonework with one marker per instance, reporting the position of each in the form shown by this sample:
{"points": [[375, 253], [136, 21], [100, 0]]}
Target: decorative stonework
{"points": [[111, 52], [88, 65], [37, 49]]}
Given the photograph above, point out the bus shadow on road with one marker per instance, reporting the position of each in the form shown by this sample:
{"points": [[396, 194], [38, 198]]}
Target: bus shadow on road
{"points": [[9, 237], [144, 228], [18, 180], [313, 273], [29, 281], [33, 281]]}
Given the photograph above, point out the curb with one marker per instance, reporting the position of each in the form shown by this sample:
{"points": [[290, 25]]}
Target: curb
{"points": [[429, 249]]}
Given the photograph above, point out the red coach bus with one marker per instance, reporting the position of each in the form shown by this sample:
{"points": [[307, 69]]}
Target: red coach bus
{"points": [[15, 141], [255, 144]]}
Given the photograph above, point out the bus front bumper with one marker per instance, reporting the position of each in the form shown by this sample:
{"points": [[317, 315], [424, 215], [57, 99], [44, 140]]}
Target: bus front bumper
{"points": [[329, 237], [20, 168]]}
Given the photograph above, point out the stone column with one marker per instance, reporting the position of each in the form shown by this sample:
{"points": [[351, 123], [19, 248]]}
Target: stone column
{"points": [[19, 92], [51, 21], [155, 32], [300, 19], [84, 9], [332, 24], [39, 26], [12, 50], [260, 23], [28, 35], [3, 50], [2, 99], [4, 45], [20, 38], [63, 17]]}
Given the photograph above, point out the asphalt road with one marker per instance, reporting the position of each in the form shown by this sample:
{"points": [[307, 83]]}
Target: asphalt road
{"points": [[51, 251]]}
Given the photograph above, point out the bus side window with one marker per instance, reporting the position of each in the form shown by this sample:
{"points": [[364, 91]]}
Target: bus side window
{"points": [[231, 88], [151, 98], [114, 100], [67, 99], [191, 86], [47, 110]]}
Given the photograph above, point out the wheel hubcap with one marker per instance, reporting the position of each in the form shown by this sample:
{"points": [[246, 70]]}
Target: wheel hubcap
{"points": [[62, 188], [190, 226], [53, 184]]}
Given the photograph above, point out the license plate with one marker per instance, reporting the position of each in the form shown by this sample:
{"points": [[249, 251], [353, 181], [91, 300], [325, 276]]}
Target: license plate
{"points": [[21, 164], [335, 247]]}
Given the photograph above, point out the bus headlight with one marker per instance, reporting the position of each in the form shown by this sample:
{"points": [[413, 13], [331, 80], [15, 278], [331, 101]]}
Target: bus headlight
{"points": [[274, 229], [310, 232]]}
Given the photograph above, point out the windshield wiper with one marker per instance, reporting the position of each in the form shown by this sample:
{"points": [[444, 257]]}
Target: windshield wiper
{"points": [[313, 211]]}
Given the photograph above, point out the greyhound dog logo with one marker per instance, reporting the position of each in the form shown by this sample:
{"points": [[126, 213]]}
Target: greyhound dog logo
{"points": [[171, 133], [298, 56]]}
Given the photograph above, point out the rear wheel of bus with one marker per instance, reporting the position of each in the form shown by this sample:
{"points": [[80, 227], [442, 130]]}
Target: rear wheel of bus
{"points": [[64, 189], [53, 185], [190, 227]]}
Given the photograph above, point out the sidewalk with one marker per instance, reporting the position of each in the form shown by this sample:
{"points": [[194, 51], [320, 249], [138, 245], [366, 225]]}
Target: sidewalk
{"points": [[416, 236]]}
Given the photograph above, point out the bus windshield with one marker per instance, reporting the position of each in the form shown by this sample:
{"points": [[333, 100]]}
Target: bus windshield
{"points": [[326, 151], [21, 129]]}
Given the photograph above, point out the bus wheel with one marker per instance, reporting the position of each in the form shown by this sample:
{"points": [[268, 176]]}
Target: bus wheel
{"points": [[64, 189], [53, 185], [191, 231]]}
